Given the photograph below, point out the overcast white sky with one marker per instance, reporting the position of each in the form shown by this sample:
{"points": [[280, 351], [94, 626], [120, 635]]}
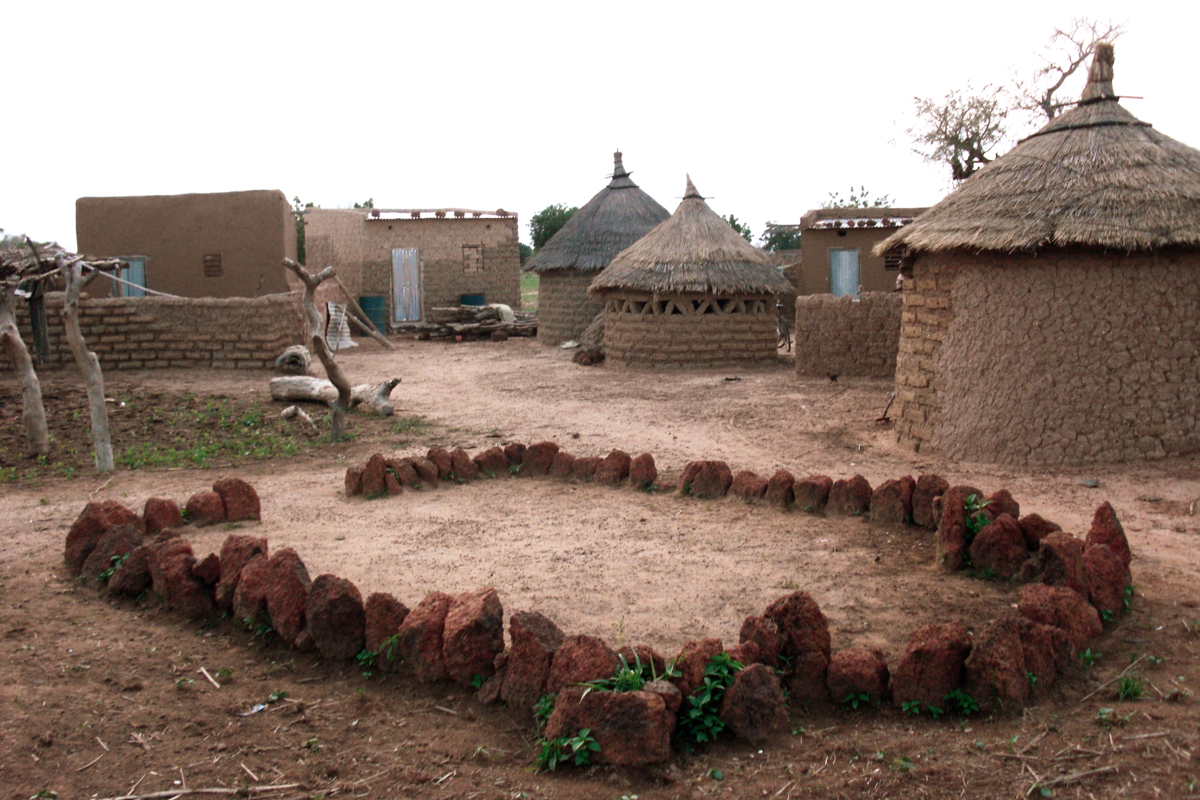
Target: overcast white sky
{"points": [[769, 105]]}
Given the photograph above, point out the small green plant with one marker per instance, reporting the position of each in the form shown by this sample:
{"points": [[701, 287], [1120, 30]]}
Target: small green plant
{"points": [[1128, 595], [961, 702], [477, 681], [1106, 615], [976, 519], [1108, 718], [1029, 676], [277, 696], [224, 674], [260, 625], [912, 707], [1088, 658], [183, 683], [716, 774], [853, 700], [1130, 687], [415, 424], [312, 745], [117, 561], [936, 711], [543, 708], [700, 717], [577, 748], [366, 661], [902, 764], [514, 469]]}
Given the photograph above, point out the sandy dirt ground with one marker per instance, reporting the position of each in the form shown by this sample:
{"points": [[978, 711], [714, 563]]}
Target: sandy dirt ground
{"points": [[625, 565]]}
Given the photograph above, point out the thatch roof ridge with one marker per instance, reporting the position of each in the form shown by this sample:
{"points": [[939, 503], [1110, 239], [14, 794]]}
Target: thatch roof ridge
{"points": [[1095, 176], [695, 251], [616, 217]]}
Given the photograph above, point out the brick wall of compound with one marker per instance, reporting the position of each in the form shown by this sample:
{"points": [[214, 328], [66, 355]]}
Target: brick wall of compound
{"points": [[847, 335], [167, 332], [1065, 357], [564, 308], [695, 340]]}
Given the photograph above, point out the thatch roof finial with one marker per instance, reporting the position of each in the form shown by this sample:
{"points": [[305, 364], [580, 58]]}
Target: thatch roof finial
{"points": [[690, 191], [1100, 74], [618, 167]]}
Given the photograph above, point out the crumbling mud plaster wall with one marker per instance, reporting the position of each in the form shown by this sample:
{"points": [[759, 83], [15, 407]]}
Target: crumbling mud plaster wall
{"points": [[164, 332], [1055, 358], [848, 336], [564, 308]]}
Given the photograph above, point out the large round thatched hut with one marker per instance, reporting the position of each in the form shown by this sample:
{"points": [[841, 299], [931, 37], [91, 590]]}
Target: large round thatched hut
{"points": [[611, 221], [1054, 315], [692, 292]]}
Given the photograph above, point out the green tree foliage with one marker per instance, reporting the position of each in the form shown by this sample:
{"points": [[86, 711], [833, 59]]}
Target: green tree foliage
{"points": [[742, 229], [548, 222], [298, 213], [368, 203], [859, 198], [526, 252], [777, 237]]}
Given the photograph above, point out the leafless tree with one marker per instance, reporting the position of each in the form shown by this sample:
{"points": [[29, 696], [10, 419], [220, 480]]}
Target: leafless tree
{"points": [[1063, 56], [964, 129]]}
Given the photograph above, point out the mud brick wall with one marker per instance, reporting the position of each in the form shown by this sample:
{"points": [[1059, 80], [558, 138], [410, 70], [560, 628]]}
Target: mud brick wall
{"points": [[457, 256], [1064, 357], [165, 332], [564, 308], [690, 340], [847, 335]]}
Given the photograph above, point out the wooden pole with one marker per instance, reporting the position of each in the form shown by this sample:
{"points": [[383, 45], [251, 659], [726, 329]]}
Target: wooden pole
{"points": [[362, 319], [33, 410], [88, 364]]}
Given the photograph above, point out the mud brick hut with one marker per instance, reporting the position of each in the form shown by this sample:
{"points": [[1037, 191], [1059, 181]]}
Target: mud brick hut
{"points": [[219, 244], [837, 257], [611, 221], [403, 262], [692, 292], [1054, 315]]}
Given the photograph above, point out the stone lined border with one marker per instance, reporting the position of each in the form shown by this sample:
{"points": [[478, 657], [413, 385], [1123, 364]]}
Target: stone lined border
{"points": [[1015, 658]]}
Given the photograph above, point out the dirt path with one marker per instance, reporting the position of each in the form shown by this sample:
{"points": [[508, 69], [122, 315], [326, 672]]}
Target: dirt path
{"points": [[621, 564]]}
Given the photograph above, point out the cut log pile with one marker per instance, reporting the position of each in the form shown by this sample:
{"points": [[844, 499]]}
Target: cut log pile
{"points": [[471, 321]]}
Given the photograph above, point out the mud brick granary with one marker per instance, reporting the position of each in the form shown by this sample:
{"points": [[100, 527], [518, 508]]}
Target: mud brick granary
{"points": [[692, 292], [1054, 315], [611, 221]]}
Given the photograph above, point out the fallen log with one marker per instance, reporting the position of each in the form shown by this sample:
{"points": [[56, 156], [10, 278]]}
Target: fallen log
{"points": [[306, 389], [298, 413]]}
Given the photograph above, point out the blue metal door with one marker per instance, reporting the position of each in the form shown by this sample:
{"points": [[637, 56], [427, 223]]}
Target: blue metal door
{"points": [[843, 271], [135, 273], [406, 285]]}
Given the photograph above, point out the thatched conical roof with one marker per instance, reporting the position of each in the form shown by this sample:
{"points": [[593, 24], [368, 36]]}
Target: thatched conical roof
{"points": [[611, 221], [1094, 176], [695, 251]]}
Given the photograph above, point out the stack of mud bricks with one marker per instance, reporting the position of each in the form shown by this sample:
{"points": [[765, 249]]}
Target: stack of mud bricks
{"points": [[925, 321], [852, 336], [168, 332], [564, 308], [700, 340]]}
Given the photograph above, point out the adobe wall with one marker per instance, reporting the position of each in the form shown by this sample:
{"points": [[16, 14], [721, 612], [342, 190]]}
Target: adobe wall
{"points": [[361, 249], [650, 336], [162, 332], [848, 336], [252, 232], [814, 259], [1065, 357], [564, 308]]}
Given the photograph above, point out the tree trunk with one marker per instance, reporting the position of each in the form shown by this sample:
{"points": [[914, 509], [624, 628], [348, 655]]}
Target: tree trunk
{"points": [[33, 411], [318, 390], [88, 364], [321, 348]]}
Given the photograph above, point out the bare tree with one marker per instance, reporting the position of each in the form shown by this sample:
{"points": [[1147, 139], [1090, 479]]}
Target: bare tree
{"points": [[964, 129], [33, 411], [961, 130], [89, 365], [341, 404], [1063, 56]]}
